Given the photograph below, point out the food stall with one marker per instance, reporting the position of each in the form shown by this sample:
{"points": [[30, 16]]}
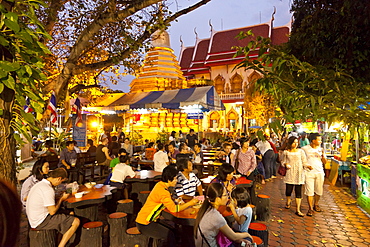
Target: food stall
{"points": [[363, 183]]}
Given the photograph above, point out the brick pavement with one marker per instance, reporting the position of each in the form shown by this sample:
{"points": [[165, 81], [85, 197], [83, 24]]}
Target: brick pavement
{"points": [[342, 222]]}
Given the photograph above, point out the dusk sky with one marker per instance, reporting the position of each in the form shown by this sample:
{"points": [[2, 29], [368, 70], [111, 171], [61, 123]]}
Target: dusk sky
{"points": [[224, 14]]}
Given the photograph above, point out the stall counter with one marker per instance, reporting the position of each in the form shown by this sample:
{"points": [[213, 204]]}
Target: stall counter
{"points": [[363, 187]]}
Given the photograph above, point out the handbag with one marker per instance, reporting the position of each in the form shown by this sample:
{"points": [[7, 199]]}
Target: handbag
{"points": [[282, 170], [222, 240]]}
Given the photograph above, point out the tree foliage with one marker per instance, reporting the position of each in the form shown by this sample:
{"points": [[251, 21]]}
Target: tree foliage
{"points": [[91, 38], [318, 74]]}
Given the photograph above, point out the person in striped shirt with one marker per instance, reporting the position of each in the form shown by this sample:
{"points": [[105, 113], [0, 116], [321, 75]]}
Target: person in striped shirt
{"points": [[187, 182]]}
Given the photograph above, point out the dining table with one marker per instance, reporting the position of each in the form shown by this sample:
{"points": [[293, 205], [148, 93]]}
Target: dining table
{"points": [[187, 218], [87, 206], [144, 180]]}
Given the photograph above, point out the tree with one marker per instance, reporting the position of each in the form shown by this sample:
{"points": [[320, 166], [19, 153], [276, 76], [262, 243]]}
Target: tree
{"points": [[321, 72], [20, 77], [90, 37], [86, 38]]}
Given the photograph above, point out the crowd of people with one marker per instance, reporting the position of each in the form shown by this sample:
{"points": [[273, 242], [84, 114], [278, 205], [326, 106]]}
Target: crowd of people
{"points": [[251, 157]]}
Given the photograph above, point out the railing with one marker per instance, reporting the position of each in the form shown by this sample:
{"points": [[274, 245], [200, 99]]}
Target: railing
{"points": [[229, 96]]}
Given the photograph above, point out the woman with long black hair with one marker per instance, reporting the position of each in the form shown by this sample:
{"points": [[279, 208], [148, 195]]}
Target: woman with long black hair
{"points": [[39, 171], [210, 222]]}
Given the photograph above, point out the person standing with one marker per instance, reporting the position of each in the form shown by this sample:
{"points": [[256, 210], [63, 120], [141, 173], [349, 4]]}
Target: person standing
{"points": [[160, 159], [191, 139], [268, 156], [42, 210], [246, 159], [314, 176], [295, 162], [303, 141]]}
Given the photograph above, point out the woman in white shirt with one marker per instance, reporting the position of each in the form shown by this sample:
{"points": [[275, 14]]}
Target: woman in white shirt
{"points": [[295, 161]]}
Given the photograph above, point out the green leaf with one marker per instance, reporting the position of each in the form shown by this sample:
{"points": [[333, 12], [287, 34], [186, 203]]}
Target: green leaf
{"points": [[9, 82], [12, 25], [8, 66], [3, 41], [28, 117], [1, 87]]}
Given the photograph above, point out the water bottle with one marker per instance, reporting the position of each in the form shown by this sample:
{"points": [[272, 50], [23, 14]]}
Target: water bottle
{"points": [[138, 168]]}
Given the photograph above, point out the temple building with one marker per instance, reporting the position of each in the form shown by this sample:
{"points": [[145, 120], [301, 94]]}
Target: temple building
{"points": [[213, 61], [160, 70], [202, 91]]}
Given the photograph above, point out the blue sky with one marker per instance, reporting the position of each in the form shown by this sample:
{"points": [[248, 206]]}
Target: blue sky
{"points": [[224, 14]]}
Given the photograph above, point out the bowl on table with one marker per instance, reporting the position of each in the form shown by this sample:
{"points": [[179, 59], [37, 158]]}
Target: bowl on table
{"points": [[98, 186], [79, 194]]}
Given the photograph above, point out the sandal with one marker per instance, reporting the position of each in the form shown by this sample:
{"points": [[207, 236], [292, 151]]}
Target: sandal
{"points": [[287, 206], [310, 212], [299, 214], [317, 208]]}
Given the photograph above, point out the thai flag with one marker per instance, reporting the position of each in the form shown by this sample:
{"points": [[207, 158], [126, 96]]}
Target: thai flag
{"points": [[53, 108], [27, 108], [77, 108]]}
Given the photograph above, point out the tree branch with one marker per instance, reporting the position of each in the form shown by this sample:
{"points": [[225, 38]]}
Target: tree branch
{"points": [[124, 54]]}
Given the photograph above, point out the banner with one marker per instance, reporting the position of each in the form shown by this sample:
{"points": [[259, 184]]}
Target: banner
{"points": [[79, 132]]}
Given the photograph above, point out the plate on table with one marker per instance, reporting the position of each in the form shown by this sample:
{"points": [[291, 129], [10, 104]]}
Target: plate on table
{"points": [[98, 186]]}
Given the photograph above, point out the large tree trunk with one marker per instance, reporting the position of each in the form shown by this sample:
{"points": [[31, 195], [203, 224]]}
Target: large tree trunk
{"points": [[7, 142]]}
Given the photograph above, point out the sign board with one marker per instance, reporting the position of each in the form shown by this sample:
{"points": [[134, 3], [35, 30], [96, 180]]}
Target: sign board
{"points": [[79, 132], [195, 115]]}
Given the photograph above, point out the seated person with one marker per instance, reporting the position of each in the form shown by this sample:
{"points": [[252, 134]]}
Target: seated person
{"points": [[240, 206], [67, 155], [187, 181], [42, 210], [198, 154], [114, 146], [185, 152], [225, 177], [148, 221], [49, 151], [172, 151], [225, 155], [150, 151], [119, 174], [115, 161], [91, 148], [39, 171], [160, 159]]}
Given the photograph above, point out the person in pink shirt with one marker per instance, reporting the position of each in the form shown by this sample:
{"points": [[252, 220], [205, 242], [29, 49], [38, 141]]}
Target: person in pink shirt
{"points": [[247, 162]]}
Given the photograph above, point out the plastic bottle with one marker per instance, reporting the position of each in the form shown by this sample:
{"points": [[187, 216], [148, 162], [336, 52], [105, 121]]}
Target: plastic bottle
{"points": [[74, 187], [138, 167]]}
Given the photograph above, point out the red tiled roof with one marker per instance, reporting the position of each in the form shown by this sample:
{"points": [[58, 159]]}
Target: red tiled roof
{"points": [[201, 50], [223, 41], [280, 35], [218, 49], [186, 57]]}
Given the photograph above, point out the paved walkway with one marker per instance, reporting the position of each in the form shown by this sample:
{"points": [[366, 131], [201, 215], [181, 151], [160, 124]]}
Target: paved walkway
{"points": [[342, 222]]}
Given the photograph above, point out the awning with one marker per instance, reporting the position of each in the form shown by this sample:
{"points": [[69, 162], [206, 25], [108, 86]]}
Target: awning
{"points": [[203, 97]]}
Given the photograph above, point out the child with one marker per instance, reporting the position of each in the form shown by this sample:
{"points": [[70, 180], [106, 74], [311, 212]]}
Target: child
{"points": [[241, 209], [120, 172]]}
